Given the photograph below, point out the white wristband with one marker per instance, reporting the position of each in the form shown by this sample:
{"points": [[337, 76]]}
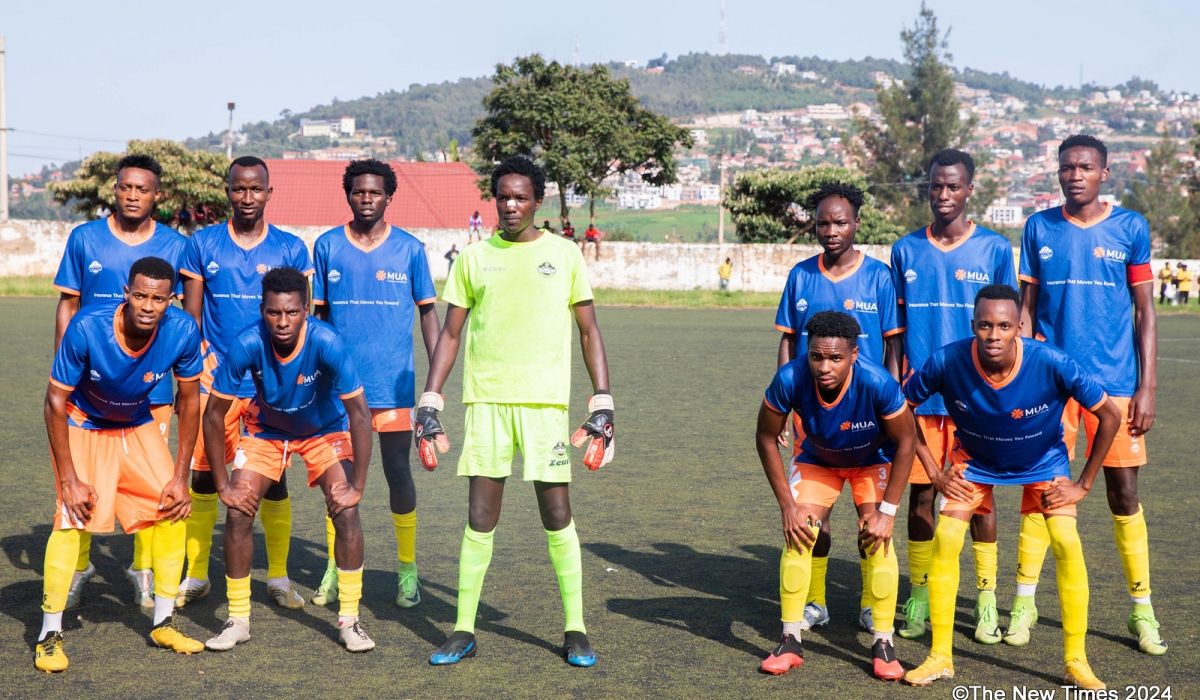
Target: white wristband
{"points": [[431, 399], [887, 508], [600, 402]]}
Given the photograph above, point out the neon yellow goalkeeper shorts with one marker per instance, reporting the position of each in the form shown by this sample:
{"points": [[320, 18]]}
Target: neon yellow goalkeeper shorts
{"points": [[495, 431]]}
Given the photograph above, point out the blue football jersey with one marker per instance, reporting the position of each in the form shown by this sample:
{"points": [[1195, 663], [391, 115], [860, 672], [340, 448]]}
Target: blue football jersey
{"points": [[847, 433], [936, 287], [298, 396], [372, 294], [95, 266], [110, 384], [865, 292], [1012, 430], [232, 275], [1083, 276]]}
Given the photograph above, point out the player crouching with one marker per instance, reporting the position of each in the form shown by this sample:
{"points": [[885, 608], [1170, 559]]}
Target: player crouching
{"points": [[857, 428], [1006, 394], [108, 455]]}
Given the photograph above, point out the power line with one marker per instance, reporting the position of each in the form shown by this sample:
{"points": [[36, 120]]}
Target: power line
{"points": [[60, 136]]}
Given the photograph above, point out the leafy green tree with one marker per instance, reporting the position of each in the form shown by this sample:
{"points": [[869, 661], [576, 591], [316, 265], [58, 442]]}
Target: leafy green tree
{"points": [[767, 205], [190, 180], [1159, 196], [580, 124], [919, 117]]}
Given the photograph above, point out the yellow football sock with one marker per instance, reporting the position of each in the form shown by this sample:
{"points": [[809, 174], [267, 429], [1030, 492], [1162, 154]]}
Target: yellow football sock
{"points": [[277, 531], [865, 600], [1072, 585], [985, 565], [199, 527], [62, 550], [473, 561], [919, 555], [143, 549], [1133, 544], [1035, 540], [795, 573], [943, 582], [406, 535], [85, 550], [816, 583], [330, 536], [349, 591], [884, 582], [169, 542], [238, 590]]}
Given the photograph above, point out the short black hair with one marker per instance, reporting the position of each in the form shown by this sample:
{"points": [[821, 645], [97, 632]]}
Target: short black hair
{"points": [[952, 156], [141, 161], [833, 324], [370, 166], [1085, 141], [848, 192], [152, 268], [521, 165], [248, 162], [998, 292], [285, 280]]}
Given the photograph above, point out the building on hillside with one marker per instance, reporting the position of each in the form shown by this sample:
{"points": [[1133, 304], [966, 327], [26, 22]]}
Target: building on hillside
{"points": [[700, 135], [327, 127], [1049, 149], [784, 68], [1004, 215], [808, 75], [828, 112], [886, 81], [429, 195]]}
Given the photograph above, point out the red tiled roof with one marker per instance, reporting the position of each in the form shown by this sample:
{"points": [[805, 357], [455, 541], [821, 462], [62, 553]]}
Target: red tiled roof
{"points": [[428, 195]]}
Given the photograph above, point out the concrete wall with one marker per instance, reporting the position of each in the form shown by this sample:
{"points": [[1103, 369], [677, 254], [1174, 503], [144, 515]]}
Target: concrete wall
{"points": [[35, 247]]}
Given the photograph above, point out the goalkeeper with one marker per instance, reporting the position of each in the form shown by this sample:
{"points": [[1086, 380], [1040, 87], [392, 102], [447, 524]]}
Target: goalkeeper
{"points": [[515, 293]]}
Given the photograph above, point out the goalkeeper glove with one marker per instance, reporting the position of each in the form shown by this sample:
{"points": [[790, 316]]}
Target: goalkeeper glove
{"points": [[428, 429], [599, 429]]}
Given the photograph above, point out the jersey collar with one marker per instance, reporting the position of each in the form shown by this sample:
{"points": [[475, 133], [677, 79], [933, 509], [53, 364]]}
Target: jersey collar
{"points": [[373, 246], [121, 336], [1108, 208], [948, 248], [253, 244], [1016, 369], [296, 350], [845, 387], [838, 278], [112, 228]]}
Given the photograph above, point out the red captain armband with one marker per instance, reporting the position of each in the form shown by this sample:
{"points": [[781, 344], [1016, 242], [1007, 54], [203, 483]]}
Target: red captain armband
{"points": [[1139, 274]]}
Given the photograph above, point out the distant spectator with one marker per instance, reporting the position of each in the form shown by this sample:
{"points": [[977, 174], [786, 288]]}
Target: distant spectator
{"points": [[1183, 284], [476, 228], [450, 256], [185, 220], [1164, 278], [725, 271], [568, 230], [547, 227], [593, 236]]}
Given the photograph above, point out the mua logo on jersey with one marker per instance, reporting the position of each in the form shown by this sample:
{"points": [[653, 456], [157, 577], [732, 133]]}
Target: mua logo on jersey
{"points": [[1106, 254], [1018, 413], [857, 425], [864, 306], [213, 268], [334, 276], [910, 276], [546, 270], [261, 269], [305, 380], [802, 305], [151, 377], [1045, 253], [400, 277], [95, 376], [95, 267], [972, 276]]}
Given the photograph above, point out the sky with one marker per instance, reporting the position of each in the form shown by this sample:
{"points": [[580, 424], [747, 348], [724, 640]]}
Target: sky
{"points": [[103, 73]]}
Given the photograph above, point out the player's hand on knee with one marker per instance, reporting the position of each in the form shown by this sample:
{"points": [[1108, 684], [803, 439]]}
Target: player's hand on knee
{"points": [[800, 527], [875, 529], [175, 503], [1062, 492], [953, 486], [428, 429], [79, 499], [342, 495], [239, 496], [782, 438], [597, 432]]}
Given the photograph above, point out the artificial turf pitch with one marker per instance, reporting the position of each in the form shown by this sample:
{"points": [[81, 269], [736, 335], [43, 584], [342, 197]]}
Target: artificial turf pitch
{"points": [[680, 553]]}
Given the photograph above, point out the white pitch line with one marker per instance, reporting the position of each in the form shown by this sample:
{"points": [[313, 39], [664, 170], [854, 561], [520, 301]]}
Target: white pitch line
{"points": [[1176, 359]]}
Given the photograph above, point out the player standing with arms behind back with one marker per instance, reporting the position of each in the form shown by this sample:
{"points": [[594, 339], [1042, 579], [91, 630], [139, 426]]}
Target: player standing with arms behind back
{"points": [[937, 271], [1087, 288], [370, 277], [516, 293]]}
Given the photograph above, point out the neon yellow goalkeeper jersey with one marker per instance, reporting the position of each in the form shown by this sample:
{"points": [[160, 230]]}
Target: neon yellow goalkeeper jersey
{"points": [[519, 330]]}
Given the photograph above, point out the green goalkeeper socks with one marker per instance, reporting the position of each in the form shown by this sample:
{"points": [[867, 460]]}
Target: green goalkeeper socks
{"points": [[564, 554], [472, 565]]}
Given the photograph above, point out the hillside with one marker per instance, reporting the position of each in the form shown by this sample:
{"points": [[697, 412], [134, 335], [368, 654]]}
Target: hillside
{"points": [[689, 85]]}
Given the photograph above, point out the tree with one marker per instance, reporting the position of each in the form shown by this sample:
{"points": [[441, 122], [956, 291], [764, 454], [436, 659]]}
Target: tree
{"points": [[919, 118], [767, 205], [1159, 196], [190, 180], [580, 124]]}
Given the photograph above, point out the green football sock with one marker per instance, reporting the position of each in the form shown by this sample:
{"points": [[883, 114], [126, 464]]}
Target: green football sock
{"points": [[472, 565], [564, 553]]}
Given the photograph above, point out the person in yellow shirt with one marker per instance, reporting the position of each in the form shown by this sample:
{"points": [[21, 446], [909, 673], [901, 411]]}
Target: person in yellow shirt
{"points": [[1183, 284], [1165, 277], [725, 271]]}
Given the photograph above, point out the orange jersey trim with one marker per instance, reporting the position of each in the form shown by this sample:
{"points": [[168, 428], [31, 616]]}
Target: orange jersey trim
{"points": [[1107, 211], [295, 350], [121, 335], [423, 302], [68, 290], [1027, 278], [219, 395], [193, 275], [373, 246], [896, 413], [319, 302], [253, 244], [785, 329], [838, 278], [1012, 374], [62, 386], [1099, 403], [842, 393], [897, 331], [112, 227], [309, 272], [952, 246], [768, 405], [189, 379], [352, 394]]}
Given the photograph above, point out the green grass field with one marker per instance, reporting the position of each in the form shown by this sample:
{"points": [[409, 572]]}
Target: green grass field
{"points": [[680, 553], [690, 223]]}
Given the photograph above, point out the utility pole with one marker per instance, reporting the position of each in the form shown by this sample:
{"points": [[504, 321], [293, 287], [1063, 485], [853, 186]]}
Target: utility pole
{"points": [[3, 141], [229, 148], [721, 197], [576, 61], [722, 46]]}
